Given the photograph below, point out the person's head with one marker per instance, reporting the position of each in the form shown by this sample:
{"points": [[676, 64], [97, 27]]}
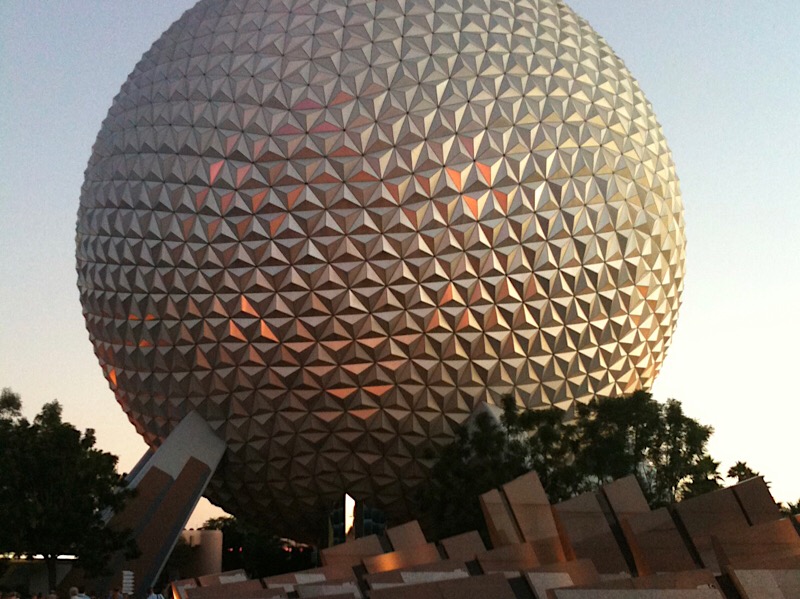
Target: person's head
{"points": [[73, 591]]}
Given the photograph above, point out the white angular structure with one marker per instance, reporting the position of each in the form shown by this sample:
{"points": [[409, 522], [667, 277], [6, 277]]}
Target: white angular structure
{"points": [[332, 226]]}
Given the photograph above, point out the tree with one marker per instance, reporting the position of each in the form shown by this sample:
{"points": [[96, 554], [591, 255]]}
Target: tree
{"points": [[256, 550], [55, 489], [665, 449], [607, 439], [482, 456], [549, 444], [741, 472], [790, 509]]}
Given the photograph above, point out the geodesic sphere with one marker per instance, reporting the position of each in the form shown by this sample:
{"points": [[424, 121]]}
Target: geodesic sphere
{"points": [[333, 226]]}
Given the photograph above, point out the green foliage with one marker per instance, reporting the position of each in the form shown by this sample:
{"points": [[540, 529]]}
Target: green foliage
{"points": [[607, 439], [259, 552], [10, 406], [741, 472], [548, 443], [790, 509], [177, 563], [55, 487], [482, 457], [665, 449]]}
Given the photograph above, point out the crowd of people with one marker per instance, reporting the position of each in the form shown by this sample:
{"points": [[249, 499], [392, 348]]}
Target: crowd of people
{"points": [[76, 593]]}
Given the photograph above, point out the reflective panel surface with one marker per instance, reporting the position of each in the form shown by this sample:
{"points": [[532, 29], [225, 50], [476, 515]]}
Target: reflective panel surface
{"points": [[333, 226]]}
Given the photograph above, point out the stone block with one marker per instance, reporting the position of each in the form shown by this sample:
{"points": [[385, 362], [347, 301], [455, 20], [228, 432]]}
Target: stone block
{"points": [[756, 501], [397, 560], [702, 593], [352, 552], [509, 559], [625, 497], [225, 592], [499, 520], [464, 546], [494, 586], [435, 572], [477, 587], [766, 584], [229, 577], [329, 573], [551, 576], [717, 513], [656, 543], [348, 589], [180, 588], [417, 591], [531, 510], [585, 533], [244, 589], [406, 536], [689, 579], [541, 582], [774, 543]]}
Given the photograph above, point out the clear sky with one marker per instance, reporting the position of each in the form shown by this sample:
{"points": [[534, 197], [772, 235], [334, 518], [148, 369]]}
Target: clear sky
{"points": [[723, 80]]}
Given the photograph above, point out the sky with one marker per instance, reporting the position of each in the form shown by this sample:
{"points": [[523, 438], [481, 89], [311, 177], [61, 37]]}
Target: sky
{"points": [[723, 81]]}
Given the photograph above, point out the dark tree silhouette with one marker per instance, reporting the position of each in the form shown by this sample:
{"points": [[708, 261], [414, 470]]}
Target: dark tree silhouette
{"points": [[257, 550], [665, 449], [790, 509], [55, 488], [741, 472], [607, 439], [483, 456]]}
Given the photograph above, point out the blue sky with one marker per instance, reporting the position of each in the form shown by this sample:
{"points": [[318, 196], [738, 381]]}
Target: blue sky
{"points": [[723, 80]]}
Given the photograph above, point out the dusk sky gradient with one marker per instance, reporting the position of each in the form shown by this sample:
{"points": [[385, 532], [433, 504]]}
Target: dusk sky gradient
{"points": [[724, 83]]}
